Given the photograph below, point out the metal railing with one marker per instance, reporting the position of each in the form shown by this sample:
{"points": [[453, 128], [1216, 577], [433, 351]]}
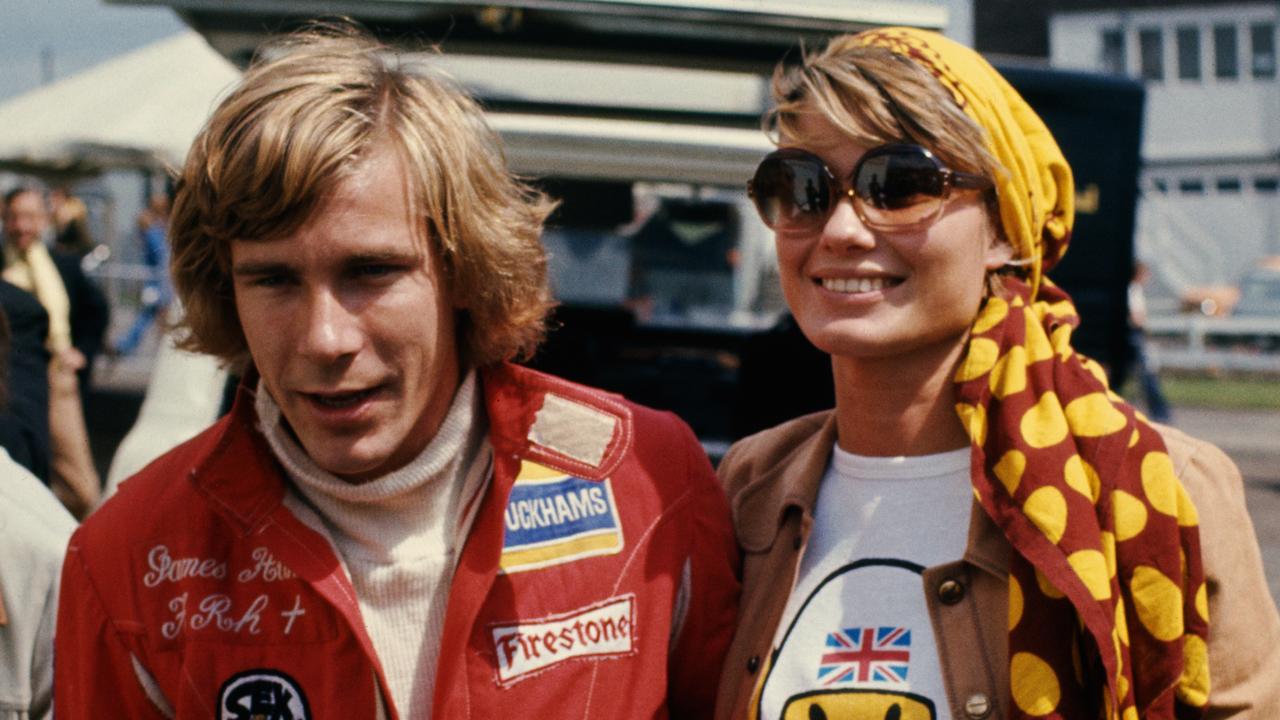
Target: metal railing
{"points": [[1199, 342]]}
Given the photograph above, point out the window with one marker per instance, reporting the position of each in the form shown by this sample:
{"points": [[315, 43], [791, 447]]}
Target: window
{"points": [[1151, 53], [1228, 185], [1191, 186], [1188, 39], [1113, 51], [1225, 65], [1266, 184], [1262, 50]]}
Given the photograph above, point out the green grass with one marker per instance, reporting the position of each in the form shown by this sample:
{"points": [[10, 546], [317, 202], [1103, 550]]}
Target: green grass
{"points": [[1253, 393]]}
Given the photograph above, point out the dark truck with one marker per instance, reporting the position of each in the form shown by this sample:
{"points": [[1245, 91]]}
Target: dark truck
{"points": [[1097, 120], [731, 381], [643, 117]]}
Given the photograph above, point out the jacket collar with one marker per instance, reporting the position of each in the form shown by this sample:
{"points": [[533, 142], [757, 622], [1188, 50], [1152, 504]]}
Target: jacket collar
{"points": [[241, 477], [238, 473], [784, 480], [790, 478], [987, 547]]}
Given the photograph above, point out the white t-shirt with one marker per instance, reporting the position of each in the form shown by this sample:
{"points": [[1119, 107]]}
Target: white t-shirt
{"points": [[856, 638]]}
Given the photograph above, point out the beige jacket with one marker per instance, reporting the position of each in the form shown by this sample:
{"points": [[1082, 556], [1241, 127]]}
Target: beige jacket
{"points": [[34, 529], [772, 481]]}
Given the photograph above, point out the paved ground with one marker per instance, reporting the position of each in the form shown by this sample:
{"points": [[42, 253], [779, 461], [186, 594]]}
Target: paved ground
{"points": [[1252, 439]]}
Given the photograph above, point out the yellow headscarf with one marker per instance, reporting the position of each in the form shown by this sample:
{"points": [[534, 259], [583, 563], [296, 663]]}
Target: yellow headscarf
{"points": [[1080, 484], [1037, 194]]}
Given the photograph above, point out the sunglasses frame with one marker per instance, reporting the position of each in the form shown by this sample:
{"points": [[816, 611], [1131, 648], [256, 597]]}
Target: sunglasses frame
{"points": [[837, 189]]}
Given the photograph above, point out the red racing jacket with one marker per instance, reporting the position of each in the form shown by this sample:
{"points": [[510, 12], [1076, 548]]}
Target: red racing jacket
{"points": [[599, 579]]}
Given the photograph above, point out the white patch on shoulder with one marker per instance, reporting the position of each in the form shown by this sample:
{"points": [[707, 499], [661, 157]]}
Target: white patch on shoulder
{"points": [[573, 429], [602, 630]]}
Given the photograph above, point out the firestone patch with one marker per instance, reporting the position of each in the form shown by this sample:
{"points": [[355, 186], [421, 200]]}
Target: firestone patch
{"points": [[524, 648]]}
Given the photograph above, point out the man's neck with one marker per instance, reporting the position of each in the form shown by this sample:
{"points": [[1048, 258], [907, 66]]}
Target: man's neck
{"points": [[421, 497]]}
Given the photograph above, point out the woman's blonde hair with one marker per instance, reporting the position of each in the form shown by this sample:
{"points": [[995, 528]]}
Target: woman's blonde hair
{"points": [[309, 110], [875, 96]]}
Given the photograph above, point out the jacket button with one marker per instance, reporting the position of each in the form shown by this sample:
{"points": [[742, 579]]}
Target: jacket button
{"points": [[950, 591], [753, 664], [977, 706]]}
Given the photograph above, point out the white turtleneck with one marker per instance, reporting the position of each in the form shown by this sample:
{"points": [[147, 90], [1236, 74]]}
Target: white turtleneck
{"points": [[398, 535]]}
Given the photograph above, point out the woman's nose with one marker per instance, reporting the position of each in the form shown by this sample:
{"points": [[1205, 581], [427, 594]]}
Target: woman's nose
{"points": [[844, 230]]}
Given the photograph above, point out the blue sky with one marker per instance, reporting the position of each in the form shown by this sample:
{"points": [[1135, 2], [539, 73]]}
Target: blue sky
{"points": [[81, 33]]}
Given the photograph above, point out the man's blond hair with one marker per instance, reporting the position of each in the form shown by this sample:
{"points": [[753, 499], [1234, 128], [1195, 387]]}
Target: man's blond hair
{"points": [[309, 110]]}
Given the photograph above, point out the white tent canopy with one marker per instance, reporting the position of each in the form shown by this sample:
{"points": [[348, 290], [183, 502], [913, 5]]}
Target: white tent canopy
{"points": [[141, 109]]}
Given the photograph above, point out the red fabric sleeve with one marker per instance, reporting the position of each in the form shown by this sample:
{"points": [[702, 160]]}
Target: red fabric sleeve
{"points": [[714, 585]]}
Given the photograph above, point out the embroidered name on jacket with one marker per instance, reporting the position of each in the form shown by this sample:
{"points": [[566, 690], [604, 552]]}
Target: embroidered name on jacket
{"points": [[554, 518], [527, 647]]}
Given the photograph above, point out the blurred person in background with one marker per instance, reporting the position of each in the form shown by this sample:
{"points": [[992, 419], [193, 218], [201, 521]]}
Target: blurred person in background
{"points": [[1143, 363], [76, 256], [394, 520], [24, 419], [71, 234], [153, 227], [981, 528], [34, 529], [90, 310], [29, 265]]}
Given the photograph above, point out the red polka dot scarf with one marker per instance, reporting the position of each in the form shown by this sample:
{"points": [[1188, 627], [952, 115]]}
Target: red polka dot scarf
{"points": [[1108, 613]]}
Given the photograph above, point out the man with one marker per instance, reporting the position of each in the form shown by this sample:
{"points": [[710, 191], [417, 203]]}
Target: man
{"points": [[29, 265], [153, 223], [393, 521], [35, 529], [71, 234], [1140, 361], [24, 419]]}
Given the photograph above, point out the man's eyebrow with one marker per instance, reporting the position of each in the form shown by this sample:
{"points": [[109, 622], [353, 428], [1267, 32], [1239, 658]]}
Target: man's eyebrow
{"points": [[389, 255], [264, 267], [275, 267]]}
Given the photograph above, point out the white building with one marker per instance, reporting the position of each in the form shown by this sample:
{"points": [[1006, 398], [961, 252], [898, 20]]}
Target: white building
{"points": [[1211, 147]]}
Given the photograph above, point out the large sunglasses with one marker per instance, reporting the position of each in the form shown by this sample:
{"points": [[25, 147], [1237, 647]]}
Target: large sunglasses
{"points": [[893, 187]]}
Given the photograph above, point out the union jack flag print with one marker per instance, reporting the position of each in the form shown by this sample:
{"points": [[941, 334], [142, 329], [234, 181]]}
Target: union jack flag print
{"points": [[876, 655]]}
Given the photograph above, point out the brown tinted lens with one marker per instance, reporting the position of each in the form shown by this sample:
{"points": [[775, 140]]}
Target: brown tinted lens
{"points": [[791, 191], [898, 185]]}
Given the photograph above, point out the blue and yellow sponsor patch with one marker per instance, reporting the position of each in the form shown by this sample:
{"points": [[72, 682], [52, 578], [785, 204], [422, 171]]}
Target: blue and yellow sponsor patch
{"points": [[554, 518]]}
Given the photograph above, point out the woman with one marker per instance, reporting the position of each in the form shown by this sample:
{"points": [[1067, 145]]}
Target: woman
{"points": [[980, 528]]}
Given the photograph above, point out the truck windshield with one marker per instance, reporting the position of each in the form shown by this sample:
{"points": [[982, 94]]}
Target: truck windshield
{"points": [[673, 255]]}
